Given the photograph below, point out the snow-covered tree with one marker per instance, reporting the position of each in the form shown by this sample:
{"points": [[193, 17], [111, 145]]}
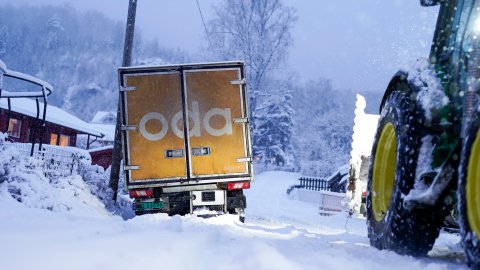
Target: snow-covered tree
{"points": [[275, 128], [77, 52], [258, 32], [55, 33], [324, 122], [3, 40]]}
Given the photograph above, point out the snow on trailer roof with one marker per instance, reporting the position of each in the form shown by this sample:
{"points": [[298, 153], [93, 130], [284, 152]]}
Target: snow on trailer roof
{"points": [[54, 115], [173, 66]]}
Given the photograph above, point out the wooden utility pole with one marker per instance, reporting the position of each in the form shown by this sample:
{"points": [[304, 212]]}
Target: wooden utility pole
{"points": [[127, 61]]}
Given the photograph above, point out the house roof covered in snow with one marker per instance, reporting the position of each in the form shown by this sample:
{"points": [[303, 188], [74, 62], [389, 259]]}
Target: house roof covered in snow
{"points": [[102, 117], [54, 115], [106, 129]]}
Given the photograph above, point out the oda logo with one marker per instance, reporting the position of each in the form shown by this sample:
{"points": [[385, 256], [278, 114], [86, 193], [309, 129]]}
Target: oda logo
{"points": [[194, 116]]}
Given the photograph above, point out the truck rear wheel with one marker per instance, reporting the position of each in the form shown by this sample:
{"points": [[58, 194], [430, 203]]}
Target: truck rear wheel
{"points": [[236, 204], [469, 194], [393, 164]]}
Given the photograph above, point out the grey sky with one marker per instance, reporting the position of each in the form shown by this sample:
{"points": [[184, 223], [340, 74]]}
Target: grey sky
{"points": [[357, 44]]}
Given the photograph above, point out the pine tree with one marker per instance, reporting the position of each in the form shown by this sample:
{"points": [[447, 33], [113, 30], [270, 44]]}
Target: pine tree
{"points": [[274, 131], [3, 41]]}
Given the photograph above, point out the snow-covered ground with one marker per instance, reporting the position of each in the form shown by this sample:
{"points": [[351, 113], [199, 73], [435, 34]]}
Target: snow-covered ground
{"points": [[61, 226]]}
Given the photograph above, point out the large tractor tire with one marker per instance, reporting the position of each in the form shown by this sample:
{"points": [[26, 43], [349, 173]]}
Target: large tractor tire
{"points": [[392, 226], [469, 194]]}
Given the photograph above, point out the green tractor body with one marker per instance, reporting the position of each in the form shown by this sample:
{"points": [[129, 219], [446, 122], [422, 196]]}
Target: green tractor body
{"points": [[425, 162]]}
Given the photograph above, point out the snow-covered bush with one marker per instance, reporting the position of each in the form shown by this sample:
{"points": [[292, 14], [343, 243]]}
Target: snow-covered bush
{"points": [[98, 180], [41, 184], [9, 159]]}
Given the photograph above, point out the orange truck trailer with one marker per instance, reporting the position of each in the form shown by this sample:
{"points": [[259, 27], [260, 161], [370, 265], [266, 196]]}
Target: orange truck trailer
{"points": [[176, 170]]}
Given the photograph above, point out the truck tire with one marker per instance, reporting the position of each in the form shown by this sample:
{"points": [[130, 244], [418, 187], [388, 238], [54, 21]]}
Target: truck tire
{"points": [[469, 194], [392, 169], [236, 204]]}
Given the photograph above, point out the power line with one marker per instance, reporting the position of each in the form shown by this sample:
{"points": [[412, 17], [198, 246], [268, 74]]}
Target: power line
{"points": [[204, 25]]}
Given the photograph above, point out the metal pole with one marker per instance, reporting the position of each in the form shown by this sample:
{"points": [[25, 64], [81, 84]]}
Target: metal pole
{"points": [[127, 60]]}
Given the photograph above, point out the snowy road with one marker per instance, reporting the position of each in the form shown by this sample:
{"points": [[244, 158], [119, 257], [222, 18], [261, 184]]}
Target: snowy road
{"points": [[279, 233]]}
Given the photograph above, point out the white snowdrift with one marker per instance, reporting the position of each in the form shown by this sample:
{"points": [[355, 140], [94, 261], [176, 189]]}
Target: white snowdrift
{"points": [[280, 233], [364, 129]]}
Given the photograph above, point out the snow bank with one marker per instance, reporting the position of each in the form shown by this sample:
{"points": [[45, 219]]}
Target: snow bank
{"points": [[70, 194], [30, 187], [84, 192], [279, 233], [41, 218], [364, 129]]}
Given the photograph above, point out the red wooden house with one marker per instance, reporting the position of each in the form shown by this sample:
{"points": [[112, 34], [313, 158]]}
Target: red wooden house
{"points": [[22, 124]]}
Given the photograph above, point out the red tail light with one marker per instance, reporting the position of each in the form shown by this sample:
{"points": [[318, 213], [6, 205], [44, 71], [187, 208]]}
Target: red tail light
{"points": [[135, 193], [238, 185]]}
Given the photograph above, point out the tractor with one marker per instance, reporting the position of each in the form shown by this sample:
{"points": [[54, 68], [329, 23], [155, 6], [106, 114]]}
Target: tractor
{"points": [[425, 160]]}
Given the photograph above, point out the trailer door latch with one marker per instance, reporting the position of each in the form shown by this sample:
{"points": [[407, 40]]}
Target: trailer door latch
{"points": [[131, 167], [238, 82], [201, 151], [129, 127], [127, 88], [241, 120], [244, 159], [174, 153]]}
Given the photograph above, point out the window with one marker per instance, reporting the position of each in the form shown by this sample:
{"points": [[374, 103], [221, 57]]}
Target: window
{"points": [[64, 140], [466, 51], [53, 139], [14, 128]]}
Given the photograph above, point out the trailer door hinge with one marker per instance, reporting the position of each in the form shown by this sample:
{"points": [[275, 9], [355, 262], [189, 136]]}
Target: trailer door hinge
{"points": [[238, 82], [129, 127], [241, 120], [244, 159], [127, 88], [131, 167]]}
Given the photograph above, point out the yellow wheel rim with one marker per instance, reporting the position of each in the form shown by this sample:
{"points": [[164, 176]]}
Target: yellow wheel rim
{"points": [[473, 187], [384, 171]]}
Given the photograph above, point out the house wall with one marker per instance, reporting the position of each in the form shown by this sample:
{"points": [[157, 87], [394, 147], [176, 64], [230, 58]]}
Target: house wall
{"points": [[102, 157], [29, 124]]}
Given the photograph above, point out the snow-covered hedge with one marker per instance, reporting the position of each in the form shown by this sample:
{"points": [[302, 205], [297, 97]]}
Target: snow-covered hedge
{"points": [[32, 183]]}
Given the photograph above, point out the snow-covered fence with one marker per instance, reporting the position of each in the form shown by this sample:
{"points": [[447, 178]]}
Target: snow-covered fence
{"points": [[335, 182], [55, 160], [328, 192], [313, 183]]}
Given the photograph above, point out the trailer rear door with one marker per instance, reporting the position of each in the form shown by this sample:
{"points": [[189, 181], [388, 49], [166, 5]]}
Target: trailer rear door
{"points": [[218, 139], [158, 102], [153, 102]]}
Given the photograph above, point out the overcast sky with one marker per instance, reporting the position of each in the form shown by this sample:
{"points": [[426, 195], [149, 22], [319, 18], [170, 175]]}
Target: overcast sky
{"points": [[357, 44]]}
